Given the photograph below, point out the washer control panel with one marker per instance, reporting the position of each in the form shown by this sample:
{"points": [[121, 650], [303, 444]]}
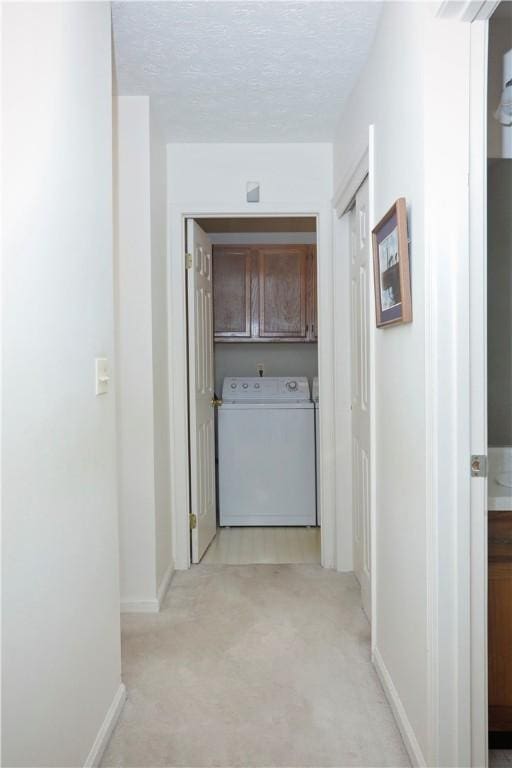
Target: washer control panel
{"points": [[270, 389]]}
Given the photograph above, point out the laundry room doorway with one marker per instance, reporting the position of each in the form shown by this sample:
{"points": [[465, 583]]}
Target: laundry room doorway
{"points": [[252, 338]]}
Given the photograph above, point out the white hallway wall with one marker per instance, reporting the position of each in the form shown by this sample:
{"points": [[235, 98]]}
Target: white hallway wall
{"points": [[61, 636], [158, 186], [202, 174], [414, 90], [141, 330]]}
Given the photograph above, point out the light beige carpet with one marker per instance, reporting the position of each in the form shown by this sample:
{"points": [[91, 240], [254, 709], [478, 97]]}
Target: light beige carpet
{"points": [[254, 665]]}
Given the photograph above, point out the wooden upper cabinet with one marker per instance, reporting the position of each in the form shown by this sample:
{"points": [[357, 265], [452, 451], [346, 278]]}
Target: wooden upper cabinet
{"points": [[232, 284], [265, 293], [282, 292]]}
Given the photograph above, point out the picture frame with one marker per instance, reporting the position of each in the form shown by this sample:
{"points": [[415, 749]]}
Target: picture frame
{"points": [[391, 268]]}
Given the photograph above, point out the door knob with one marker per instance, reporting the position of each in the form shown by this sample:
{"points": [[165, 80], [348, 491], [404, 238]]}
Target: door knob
{"points": [[215, 402]]}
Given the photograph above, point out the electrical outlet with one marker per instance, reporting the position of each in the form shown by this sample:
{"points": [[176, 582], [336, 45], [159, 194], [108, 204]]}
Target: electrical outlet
{"points": [[260, 369]]}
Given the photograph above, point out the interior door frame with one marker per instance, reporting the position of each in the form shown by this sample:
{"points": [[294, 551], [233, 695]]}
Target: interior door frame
{"points": [[471, 593], [363, 167], [478, 383], [178, 379]]}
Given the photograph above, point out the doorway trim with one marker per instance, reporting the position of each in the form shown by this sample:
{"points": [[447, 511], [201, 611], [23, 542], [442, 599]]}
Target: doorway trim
{"points": [[470, 595], [178, 379], [345, 194], [478, 385]]}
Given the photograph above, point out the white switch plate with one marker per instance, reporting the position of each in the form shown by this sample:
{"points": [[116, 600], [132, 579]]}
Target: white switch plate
{"points": [[101, 375], [260, 367]]}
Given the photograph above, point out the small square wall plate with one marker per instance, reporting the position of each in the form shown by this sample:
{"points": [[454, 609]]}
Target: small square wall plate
{"points": [[253, 191]]}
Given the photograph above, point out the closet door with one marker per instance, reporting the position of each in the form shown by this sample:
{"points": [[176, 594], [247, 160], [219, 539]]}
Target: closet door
{"points": [[361, 405], [232, 270], [282, 292]]}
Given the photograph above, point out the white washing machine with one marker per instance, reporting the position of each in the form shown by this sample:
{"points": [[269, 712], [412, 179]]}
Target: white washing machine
{"points": [[266, 432], [316, 401]]}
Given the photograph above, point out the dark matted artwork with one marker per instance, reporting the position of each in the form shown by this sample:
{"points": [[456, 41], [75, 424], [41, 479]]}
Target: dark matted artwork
{"points": [[391, 267]]}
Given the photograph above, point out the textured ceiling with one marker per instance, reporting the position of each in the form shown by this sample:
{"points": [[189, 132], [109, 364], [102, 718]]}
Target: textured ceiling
{"points": [[243, 71]]}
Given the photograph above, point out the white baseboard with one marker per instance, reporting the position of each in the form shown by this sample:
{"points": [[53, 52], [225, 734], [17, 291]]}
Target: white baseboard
{"points": [[105, 732], [404, 725], [139, 606], [152, 605]]}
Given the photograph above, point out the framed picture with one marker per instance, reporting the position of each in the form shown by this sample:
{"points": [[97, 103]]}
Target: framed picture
{"points": [[391, 267]]}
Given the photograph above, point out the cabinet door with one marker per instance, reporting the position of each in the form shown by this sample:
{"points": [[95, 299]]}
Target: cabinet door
{"points": [[500, 621], [232, 292], [282, 292], [312, 294]]}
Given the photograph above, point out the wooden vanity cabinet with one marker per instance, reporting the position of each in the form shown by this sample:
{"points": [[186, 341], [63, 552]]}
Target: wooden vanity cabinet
{"points": [[264, 293], [500, 621]]}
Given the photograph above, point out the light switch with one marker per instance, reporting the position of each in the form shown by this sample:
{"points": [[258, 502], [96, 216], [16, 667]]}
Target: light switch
{"points": [[101, 375]]}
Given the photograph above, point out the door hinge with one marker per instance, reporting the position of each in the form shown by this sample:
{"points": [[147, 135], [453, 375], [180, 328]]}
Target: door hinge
{"points": [[188, 260], [478, 465], [193, 521]]}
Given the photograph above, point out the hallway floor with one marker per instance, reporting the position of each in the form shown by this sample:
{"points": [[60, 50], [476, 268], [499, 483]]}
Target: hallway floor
{"points": [[242, 546], [256, 665]]}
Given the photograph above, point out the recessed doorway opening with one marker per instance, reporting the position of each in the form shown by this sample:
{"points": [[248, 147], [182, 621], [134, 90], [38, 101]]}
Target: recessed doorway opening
{"points": [[253, 390]]}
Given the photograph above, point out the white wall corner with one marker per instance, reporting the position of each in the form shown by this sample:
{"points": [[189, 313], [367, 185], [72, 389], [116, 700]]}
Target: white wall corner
{"points": [[150, 605], [105, 732], [403, 722], [165, 584]]}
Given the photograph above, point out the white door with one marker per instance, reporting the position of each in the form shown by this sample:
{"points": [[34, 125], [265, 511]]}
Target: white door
{"points": [[201, 397], [359, 285]]}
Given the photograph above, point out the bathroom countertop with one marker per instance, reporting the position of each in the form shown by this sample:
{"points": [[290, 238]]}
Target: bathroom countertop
{"points": [[500, 498]]}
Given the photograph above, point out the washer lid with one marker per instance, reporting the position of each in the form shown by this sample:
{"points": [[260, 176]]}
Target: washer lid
{"points": [[265, 389], [251, 405]]}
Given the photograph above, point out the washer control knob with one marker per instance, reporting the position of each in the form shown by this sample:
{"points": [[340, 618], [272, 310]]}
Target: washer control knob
{"points": [[291, 386], [245, 385], [233, 385], [256, 386]]}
